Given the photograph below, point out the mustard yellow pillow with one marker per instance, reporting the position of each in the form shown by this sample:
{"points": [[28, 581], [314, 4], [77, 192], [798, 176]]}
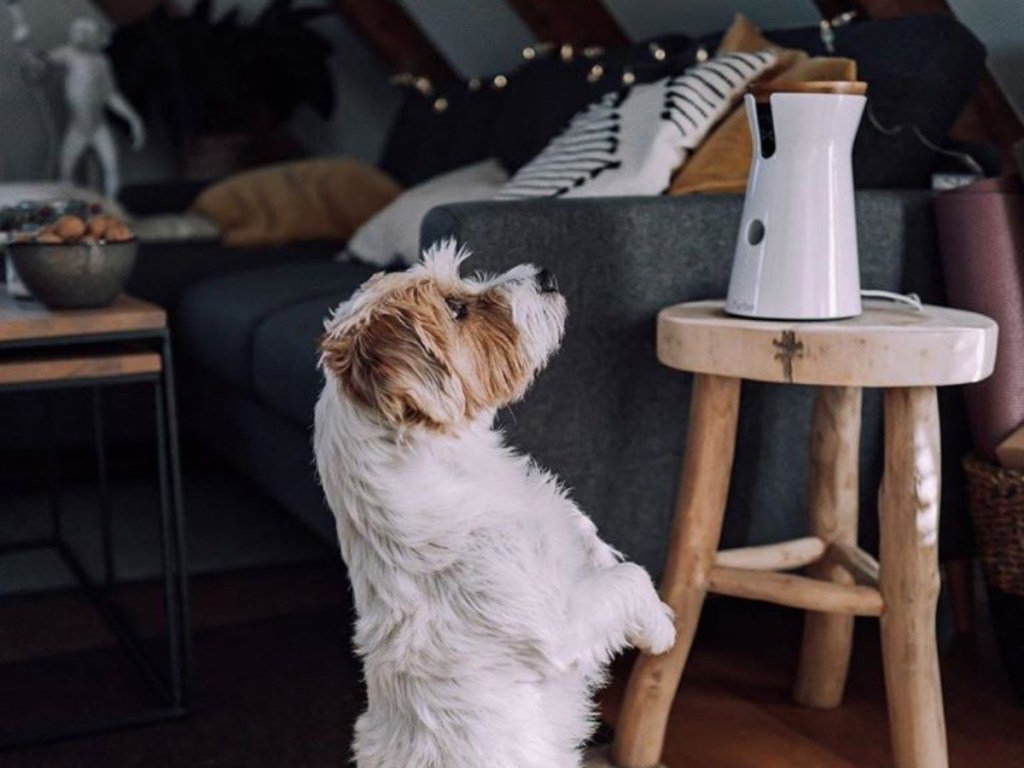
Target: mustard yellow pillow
{"points": [[321, 199], [722, 163]]}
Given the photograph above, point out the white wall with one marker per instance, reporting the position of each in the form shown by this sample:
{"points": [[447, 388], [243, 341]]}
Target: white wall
{"points": [[999, 24], [26, 147], [478, 37], [484, 36], [365, 101], [646, 18]]}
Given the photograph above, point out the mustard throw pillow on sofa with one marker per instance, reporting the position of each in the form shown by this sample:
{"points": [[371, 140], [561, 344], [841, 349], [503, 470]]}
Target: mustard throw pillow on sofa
{"points": [[320, 199], [722, 163]]}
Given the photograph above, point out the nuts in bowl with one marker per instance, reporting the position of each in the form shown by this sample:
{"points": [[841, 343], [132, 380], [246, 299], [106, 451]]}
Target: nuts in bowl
{"points": [[69, 228], [74, 261]]}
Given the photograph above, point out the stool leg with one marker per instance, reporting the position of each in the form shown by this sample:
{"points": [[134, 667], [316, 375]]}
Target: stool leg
{"points": [[909, 580], [833, 506], [703, 490]]}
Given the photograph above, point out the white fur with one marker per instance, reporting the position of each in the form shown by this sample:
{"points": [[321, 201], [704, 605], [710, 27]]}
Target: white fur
{"points": [[487, 605]]}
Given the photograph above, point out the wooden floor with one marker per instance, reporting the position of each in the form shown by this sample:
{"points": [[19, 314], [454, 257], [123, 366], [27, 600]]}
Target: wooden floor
{"points": [[734, 709]]}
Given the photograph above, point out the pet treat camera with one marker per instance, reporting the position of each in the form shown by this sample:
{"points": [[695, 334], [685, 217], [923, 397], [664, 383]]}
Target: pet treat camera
{"points": [[796, 254]]}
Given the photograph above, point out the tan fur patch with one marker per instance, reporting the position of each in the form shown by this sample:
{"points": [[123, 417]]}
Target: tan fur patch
{"points": [[499, 374], [407, 357]]}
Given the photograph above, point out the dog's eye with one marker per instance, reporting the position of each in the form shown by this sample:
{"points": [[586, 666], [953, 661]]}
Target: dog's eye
{"points": [[459, 309]]}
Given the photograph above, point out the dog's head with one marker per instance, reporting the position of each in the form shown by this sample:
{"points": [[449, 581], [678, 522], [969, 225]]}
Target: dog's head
{"points": [[429, 348]]}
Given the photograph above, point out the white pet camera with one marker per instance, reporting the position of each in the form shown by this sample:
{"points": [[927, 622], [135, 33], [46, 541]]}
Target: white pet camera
{"points": [[796, 254]]}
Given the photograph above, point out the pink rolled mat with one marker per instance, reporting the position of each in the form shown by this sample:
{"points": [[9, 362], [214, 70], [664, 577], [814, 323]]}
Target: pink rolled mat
{"points": [[981, 243]]}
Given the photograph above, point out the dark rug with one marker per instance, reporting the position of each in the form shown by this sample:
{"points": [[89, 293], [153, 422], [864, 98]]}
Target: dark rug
{"points": [[276, 683]]}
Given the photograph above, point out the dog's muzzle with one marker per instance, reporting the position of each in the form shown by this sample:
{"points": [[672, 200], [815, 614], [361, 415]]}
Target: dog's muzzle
{"points": [[546, 281]]}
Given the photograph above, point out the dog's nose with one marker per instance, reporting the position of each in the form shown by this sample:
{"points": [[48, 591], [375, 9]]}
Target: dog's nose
{"points": [[546, 281]]}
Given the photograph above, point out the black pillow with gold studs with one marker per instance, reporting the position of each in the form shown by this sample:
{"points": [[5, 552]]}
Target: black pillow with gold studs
{"points": [[441, 127], [629, 142], [559, 81]]}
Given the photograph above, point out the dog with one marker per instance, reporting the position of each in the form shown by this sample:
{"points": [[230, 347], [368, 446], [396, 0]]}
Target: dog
{"points": [[488, 607]]}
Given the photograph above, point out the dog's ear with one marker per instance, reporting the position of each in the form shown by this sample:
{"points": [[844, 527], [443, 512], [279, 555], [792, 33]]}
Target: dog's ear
{"points": [[395, 365]]}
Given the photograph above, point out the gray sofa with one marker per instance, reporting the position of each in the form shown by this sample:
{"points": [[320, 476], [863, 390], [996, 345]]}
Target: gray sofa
{"points": [[605, 416]]}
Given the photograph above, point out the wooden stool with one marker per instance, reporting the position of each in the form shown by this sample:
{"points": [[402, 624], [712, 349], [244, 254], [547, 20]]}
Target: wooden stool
{"points": [[907, 352]]}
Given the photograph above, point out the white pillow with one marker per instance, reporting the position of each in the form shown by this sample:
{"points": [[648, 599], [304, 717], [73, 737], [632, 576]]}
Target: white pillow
{"points": [[632, 141], [175, 227], [394, 233]]}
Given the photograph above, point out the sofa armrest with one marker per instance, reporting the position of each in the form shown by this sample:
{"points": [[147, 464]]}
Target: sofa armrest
{"points": [[672, 248], [606, 416]]}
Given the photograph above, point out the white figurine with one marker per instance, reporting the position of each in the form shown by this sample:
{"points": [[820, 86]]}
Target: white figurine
{"points": [[89, 88], [21, 29]]}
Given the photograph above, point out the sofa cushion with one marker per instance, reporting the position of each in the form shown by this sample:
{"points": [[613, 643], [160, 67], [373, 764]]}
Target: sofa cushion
{"points": [[218, 319], [544, 94], [722, 163], [631, 141], [425, 142], [393, 235], [284, 356], [324, 198]]}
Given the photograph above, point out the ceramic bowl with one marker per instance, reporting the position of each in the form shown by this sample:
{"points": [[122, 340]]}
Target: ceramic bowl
{"points": [[74, 275]]}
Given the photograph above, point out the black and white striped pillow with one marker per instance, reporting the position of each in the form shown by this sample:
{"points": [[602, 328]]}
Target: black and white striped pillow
{"points": [[631, 142]]}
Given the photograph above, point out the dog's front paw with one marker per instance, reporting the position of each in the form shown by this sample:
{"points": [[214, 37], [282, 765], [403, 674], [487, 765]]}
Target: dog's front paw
{"points": [[659, 632]]}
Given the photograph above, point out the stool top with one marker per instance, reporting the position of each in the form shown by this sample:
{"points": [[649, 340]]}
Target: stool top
{"points": [[889, 345]]}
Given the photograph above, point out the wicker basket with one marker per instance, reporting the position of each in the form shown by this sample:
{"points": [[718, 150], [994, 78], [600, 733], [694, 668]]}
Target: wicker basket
{"points": [[996, 497], [997, 507]]}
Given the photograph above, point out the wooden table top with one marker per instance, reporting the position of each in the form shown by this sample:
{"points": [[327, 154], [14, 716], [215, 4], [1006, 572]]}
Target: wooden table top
{"points": [[889, 345], [22, 321]]}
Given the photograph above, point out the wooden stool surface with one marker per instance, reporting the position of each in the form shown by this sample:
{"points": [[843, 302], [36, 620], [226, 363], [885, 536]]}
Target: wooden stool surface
{"points": [[889, 345]]}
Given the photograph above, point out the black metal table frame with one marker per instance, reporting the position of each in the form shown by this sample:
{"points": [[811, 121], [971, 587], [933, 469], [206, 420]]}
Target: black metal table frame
{"points": [[171, 686]]}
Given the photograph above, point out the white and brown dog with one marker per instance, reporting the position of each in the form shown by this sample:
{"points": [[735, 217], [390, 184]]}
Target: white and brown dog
{"points": [[488, 607]]}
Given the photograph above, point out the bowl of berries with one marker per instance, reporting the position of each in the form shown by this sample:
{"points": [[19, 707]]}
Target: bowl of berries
{"points": [[74, 257]]}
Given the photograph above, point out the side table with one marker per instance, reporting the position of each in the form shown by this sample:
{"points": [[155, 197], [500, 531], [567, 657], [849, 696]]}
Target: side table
{"points": [[127, 342], [906, 352]]}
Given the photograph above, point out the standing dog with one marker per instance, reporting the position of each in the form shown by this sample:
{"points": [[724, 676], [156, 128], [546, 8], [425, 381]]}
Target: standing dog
{"points": [[488, 606]]}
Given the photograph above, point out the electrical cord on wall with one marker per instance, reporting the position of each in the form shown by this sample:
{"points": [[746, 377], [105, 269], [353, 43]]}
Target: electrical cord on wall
{"points": [[962, 157], [827, 32]]}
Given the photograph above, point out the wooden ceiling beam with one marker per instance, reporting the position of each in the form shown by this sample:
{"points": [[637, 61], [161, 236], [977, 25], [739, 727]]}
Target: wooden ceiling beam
{"points": [[578, 22], [395, 38]]}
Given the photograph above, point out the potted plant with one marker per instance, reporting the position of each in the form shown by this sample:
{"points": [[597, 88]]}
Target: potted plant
{"points": [[225, 88]]}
